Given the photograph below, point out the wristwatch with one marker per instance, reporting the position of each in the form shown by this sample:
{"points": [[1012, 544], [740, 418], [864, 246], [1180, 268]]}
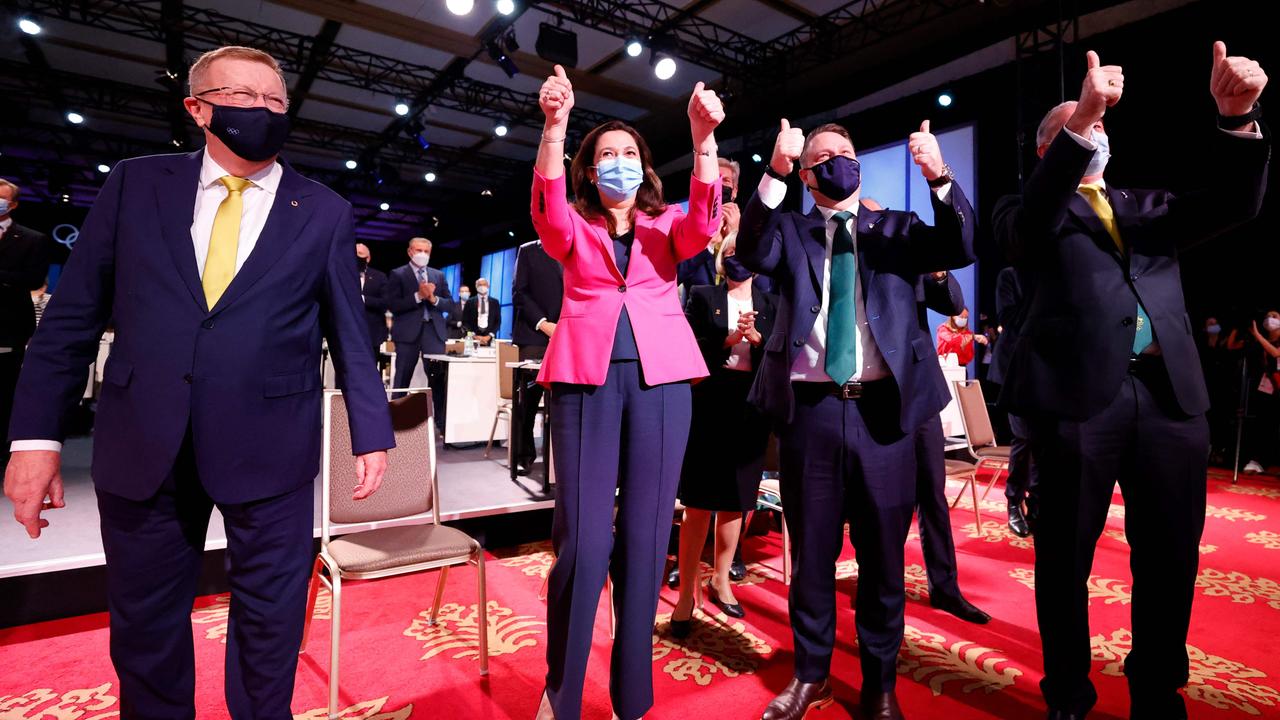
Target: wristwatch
{"points": [[1231, 122], [947, 176], [768, 170]]}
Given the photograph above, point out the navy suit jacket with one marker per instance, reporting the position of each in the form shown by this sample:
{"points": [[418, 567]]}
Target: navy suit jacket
{"points": [[243, 376], [406, 311], [471, 316], [894, 249], [375, 304], [1011, 310], [536, 293], [1077, 338]]}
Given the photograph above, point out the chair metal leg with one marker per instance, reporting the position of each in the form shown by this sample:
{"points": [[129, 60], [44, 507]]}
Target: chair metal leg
{"points": [[492, 431], [973, 493], [971, 478], [482, 593], [786, 552], [313, 589], [334, 631], [613, 617], [435, 604], [1001, 470]]}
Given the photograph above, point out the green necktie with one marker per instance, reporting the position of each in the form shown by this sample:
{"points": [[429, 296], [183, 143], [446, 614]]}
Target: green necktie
{"points": [[1092, 192], [842, 313]]}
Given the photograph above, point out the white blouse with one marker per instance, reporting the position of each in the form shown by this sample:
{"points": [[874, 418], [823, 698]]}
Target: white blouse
{"points": [[740, 354]]}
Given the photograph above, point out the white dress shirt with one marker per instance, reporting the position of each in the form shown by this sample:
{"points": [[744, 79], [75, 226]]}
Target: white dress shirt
{"points": [[5, 224], [257, 200], [740, 354], [482, 311], [810, 364]]}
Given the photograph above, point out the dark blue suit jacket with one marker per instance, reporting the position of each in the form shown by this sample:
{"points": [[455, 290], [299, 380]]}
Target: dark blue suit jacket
{"points": [[406, 311], [894, 248], [375, 304], [1077, 338], [244, 376]]}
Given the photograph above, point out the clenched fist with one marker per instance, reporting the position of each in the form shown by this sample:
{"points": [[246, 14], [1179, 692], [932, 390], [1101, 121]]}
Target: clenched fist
{"points": [[925, 152], [556, 99], [1103, 86], [705, 113], [787, 148], [1236, 82]]}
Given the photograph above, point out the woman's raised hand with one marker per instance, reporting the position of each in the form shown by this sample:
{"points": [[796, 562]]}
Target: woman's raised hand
{"points": [[556, 98]]}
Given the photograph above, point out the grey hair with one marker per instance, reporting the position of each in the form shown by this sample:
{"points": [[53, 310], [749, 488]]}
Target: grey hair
{"points": [[16, 190], [732, 165], [1048, 128]]}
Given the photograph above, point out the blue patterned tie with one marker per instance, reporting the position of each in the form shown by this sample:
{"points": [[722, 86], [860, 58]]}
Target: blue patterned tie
{"points": [[426, 307], [842, 312]]}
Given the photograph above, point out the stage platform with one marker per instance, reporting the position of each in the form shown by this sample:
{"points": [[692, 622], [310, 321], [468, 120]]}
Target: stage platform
{"points": [[471, 487]]}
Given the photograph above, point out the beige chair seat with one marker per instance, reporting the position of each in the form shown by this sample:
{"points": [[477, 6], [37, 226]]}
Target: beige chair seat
{"points": [[993, 451], [386, 548], [959, 467]]}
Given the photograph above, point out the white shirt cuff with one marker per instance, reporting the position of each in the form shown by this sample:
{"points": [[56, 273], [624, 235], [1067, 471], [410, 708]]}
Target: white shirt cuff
{"points": [[538, 325], [24, 445], [772, 191], [1084, 141], [944, 193], [1254, 134]]}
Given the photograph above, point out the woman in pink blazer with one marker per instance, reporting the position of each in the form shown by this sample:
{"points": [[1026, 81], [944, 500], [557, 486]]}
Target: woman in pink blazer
{"points": [[618, 365]]}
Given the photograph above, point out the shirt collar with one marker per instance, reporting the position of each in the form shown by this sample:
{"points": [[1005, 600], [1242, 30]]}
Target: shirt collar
{"points": [[5, 225], [1100, 183], [828, 212], [267, 178]]}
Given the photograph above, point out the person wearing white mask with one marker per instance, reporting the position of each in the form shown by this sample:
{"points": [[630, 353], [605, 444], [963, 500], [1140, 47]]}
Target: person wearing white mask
{"points": [[457, 330], [955, 336], [418, 297], [1264, 401], [483, 315]]}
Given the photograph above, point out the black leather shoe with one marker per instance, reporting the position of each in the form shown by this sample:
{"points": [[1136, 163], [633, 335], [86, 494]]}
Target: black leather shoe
{"points": [[961, 608], [737, 571], [797, 699], [673, 578], [1018, 522], [733, 610], [1064, 715], [681, 629], [881, 706], [524, 468]]}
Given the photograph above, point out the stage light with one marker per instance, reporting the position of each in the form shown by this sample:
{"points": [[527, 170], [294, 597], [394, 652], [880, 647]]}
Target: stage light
{"points": [[486, 193], [557, 45], [511, 233], [104, 168], [634, 47], [945, 99], [384, 207], [500, 130], [665, 68], [352, 164], [29, 26], [429, 177], [506, 7], [500, 49], [460, 7], [755, 157], [74, 117], [402, 108]]}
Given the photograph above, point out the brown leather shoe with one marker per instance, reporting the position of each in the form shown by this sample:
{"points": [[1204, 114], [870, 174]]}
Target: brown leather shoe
{"points": [[797, 699], [881, 706]]}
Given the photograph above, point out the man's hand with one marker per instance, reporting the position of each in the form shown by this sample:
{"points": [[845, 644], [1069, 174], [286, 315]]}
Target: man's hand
{"points": [[370, 468], [33, 483], [706, 112], [1103, 86], [980, 338], [427, 291], [787, 148], [1236, 82], [925, 152], [730, 216], [556, 99], [547, 328], [939, 276], [484, 339], [747, 327]]}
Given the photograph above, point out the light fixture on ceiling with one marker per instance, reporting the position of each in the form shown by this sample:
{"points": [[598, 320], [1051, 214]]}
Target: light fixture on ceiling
{"points": [[755, 157], [486, 192], [104, 168], [665, 67], [74, 117], [945, 99], [500, 130], [384, 207], [429, 177], [557, 45], [500, 48], [29, 26], [505, 7], [402, 108], [634, 47], [511, 233], [352, 164], [460, 7]]}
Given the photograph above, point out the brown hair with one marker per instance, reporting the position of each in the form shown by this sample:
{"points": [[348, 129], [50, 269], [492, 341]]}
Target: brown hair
{"points": [[195, 76], [16, 190], [648, 196], [828, 128]]}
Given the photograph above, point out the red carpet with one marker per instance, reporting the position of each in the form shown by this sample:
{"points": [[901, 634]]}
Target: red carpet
{"points": [[395, 667]]}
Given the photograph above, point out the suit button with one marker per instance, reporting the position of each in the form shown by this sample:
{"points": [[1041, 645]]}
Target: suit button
{"points": [[1127, 322], [1134, 277], [798, 343], [207, 324], [187, 378], [815, 308], [622, 288]]}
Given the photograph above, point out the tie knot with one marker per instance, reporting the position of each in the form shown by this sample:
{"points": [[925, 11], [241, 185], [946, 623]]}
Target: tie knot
{"points": [[842, 216], [1093, 189], [234, 184]]}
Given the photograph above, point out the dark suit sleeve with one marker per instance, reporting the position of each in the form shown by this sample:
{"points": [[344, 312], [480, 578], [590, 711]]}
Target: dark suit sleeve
{"points": [[1022, 227], [66, 342], [760, 236], [710, 337], [495, 319], [1008, 298], [35, 267], [945, 297], [948, 243], [1237, 174], [522, 300], [400, 299], [375, 298], [342, 315]]}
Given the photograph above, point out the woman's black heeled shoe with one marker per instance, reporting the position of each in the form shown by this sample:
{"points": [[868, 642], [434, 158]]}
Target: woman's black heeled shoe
{"points": [[733, 610], [681, 629]]}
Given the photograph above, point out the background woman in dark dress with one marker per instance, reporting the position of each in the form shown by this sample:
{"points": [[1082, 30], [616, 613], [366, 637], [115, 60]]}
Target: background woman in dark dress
{"points": [[728, 436]]}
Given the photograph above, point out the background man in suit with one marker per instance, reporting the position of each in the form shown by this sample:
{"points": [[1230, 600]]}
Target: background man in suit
{"points": [[536, 294], [1121, 395], [418, 297], [373, 287], [850, 376], [456, 330], [1021, 482], [223, 270], [24, 263], [483, 315]]}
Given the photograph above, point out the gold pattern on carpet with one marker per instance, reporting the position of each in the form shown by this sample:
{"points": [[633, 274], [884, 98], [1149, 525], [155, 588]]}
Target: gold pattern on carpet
{"points": [[457, 631], [1205, 548], [368, 710], [1265, 538], [533, 559], [1266, 492], [1232, 514], [928, 657], [1109, 591], [994, 531], [94, 703], [1218, 682], [1239, 587], [717, 647], [217, 615]]}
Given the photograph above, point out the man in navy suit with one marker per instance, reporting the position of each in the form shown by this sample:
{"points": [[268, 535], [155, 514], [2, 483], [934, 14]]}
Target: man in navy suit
{"points": [[221, 271], [1107, 375], [483, 325], [418, 297], [850, 375], [373, 288], [1021, 484]]}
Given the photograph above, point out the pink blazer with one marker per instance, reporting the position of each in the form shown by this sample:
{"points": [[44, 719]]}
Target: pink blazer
{"points": [[594, 290]]}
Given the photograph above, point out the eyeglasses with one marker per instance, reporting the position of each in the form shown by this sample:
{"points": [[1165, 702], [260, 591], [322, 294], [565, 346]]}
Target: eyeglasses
{"points": [[245, 97]]}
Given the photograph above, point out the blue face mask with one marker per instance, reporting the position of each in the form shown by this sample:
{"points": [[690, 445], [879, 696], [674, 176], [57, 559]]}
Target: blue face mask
{"points": [[1098, 162], [1213, 329], [619, 178], [4, 207]]}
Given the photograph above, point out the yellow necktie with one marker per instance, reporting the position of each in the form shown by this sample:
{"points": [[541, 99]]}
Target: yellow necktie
{"points": [[1098, 201], [224, 241]]}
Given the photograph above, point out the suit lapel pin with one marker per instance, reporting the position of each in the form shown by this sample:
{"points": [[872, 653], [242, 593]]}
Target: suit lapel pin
{"points": [[293, 203], [717, 311]]}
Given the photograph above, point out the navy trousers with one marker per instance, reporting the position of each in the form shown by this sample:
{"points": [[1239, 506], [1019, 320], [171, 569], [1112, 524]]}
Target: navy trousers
{"points": [[154, 550], [627, 437], [1020, 484], [934, 513], [407, 356], [846, 460], [1160, 457]]}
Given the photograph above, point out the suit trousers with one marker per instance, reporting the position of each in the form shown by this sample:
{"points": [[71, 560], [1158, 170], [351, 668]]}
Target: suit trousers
{"points": [[526, 450], [936, 542], [407, 357], [1160, 457], [1021, 482], [847, 460], [627, 437], [154, 549]]}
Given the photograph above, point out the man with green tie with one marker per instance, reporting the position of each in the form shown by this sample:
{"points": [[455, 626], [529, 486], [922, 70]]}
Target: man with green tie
{"points": [[1106, 373], [850, 376]]}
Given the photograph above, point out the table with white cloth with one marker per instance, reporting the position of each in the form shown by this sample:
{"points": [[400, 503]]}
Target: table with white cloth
{"points": [[470, 396]]}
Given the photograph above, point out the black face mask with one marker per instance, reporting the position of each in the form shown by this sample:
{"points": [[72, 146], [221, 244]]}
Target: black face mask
{"points": [[837, 177], [252, 133], [361, 264], [726, 194], [734, 269]]}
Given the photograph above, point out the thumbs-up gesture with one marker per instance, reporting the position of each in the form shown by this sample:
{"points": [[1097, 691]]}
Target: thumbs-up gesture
{"points": [[705, 113], [1103, 86], [925, 152], [556, 99], [1236, 82], [787, 148]]}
